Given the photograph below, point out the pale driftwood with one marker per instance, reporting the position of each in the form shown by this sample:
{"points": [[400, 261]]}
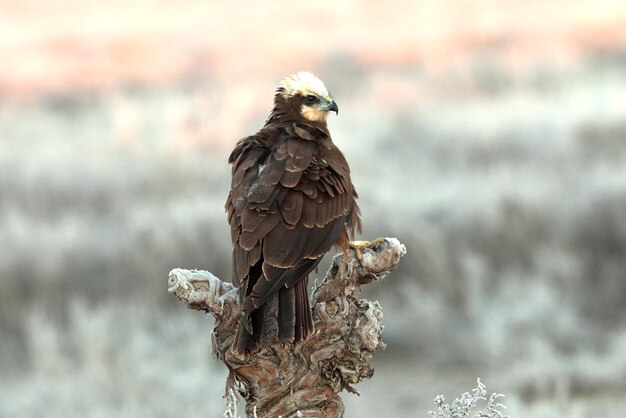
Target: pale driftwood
{"points": [[303, 379]]}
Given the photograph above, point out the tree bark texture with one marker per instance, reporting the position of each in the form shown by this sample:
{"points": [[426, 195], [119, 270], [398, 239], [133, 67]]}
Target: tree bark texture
{"points": [[290, 380]]}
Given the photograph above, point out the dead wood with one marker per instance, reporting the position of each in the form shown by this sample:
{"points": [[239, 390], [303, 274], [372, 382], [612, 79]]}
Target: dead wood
{"points": [[302, 379]]}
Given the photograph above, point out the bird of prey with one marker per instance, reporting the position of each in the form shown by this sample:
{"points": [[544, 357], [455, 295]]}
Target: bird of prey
{"points": [[291, 200]]}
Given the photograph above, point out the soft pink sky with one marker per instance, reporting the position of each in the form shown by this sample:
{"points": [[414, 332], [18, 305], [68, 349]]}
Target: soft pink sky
{"points": [[66, 45]]}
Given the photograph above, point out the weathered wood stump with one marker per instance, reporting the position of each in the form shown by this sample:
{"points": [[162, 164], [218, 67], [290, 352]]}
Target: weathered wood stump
{"points": [[304, 379]]}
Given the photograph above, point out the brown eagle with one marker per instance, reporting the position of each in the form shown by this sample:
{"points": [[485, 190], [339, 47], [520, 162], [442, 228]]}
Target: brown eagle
{"points": [[291, 200]]}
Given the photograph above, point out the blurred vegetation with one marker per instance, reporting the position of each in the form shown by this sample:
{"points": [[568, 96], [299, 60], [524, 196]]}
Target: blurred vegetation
{"points": [[506, 183]]}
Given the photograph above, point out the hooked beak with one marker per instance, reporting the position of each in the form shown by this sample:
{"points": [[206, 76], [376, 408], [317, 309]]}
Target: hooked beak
{"points": [[331, 106]]}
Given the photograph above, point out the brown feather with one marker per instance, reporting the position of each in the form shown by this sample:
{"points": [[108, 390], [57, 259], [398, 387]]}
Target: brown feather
{"points": [[309, 213], [271, 172], [291, 201], [301, 131], [297, 246], [292, 207], [290, 178], [277, 245], [249, 239], [286, 313], [304, 321]]}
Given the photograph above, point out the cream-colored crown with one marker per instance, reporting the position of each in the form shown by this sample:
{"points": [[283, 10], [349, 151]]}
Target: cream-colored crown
{"points": [[303, 83]]}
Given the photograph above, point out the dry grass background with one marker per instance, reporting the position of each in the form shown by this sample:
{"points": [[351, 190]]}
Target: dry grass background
{"points": [[490, 139]]}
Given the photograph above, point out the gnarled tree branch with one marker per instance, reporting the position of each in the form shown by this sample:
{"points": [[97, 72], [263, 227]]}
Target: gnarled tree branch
{"points": [[284, 379]]}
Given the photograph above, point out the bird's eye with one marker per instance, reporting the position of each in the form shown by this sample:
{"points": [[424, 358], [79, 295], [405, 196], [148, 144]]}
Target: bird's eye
{"points": [[310, 99]]}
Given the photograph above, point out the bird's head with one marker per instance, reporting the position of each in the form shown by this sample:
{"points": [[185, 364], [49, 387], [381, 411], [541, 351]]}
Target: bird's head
{"points": [[308, 95]]}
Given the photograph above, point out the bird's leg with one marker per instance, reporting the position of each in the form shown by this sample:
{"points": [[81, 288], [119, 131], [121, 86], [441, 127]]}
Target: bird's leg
{"points": [[359, 246]]}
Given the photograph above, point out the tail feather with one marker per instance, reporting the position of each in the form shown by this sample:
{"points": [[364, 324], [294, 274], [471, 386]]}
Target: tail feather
{"points": [[286, 313], [304, 319], [295, 321], [246, 340]]}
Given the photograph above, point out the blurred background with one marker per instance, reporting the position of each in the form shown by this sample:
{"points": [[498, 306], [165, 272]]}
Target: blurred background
{"points": [[489, 137]]}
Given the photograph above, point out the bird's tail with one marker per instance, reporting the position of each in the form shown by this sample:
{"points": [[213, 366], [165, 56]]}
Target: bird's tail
{"points": [[295, 321], [246, 341]]}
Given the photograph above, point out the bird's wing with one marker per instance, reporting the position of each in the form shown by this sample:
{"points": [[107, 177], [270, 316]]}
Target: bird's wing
{"points": [[287, 205]]}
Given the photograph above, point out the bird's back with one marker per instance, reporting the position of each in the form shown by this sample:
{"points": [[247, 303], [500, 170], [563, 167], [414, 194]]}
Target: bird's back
{"points": [[291, 201]]}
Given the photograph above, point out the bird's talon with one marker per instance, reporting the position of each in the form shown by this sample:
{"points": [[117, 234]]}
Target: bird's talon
{"points": [[360, 246]]}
